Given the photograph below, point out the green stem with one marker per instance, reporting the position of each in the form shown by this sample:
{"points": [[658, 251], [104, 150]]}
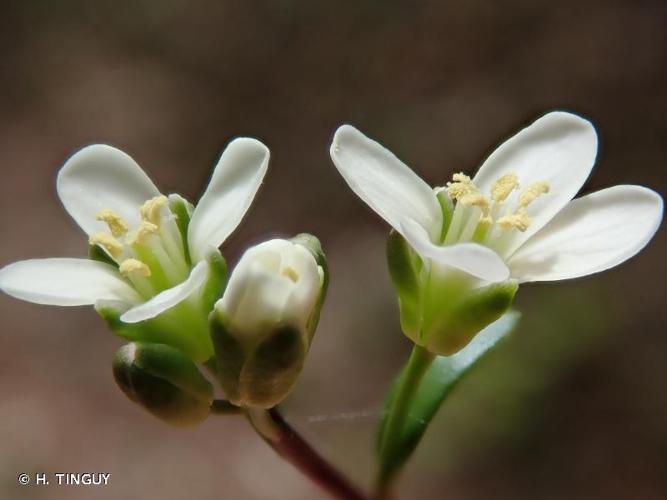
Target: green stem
{"points": [[277, 433], [399, 412]]}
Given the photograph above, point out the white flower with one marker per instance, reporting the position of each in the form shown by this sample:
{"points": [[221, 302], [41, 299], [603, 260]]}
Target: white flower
{"points": [[515, 218], [277, 282], [156, 259]]}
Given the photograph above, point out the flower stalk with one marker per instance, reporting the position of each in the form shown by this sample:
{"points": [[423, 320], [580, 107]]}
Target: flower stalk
{"points": [[278, 434], [399, 412]]}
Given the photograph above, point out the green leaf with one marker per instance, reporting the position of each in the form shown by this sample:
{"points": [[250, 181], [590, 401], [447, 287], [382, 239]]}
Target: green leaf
{"points": [[436, 384]]}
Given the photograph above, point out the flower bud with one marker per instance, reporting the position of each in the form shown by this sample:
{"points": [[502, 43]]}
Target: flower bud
{"points": [[442, 309], [263, 325], [163, 381]]}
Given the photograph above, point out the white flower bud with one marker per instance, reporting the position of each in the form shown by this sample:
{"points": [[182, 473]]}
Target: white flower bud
{"points": [[275, 282], [262, 327]]}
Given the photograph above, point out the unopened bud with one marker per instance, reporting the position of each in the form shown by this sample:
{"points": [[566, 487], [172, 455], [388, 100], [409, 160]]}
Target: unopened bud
{"points": [[164, 381], [263, 325]]}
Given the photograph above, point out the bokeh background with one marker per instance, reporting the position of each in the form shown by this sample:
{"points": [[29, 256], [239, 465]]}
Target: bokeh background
{"points": [[574, 405]]}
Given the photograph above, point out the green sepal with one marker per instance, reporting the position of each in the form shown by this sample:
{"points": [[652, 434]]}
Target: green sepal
{"points": [[216, 281], [441, 377], [183, 327], [163, 381], [96, 252], [313, 245], [464, 316], [230, 356], [257, 372], [447, 208], [404, 269], [111, 311], [183, 210], [272, 369]]}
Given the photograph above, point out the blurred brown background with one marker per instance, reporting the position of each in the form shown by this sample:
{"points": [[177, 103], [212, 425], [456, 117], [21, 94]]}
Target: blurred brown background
{"points": [[575, 405]]}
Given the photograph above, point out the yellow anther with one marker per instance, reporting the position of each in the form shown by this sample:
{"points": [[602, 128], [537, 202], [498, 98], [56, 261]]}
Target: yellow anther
{"points": [[290, 273], [532, 192], [150, 210], [480, 201], [108, 242], [502, 188], [145, 229], [518, 220], [116, 224], [461, 177], [134, 266], [460, 187]]}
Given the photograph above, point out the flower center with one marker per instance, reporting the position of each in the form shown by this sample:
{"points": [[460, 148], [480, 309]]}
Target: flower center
{"points": [[489, 220], [152, 256]]}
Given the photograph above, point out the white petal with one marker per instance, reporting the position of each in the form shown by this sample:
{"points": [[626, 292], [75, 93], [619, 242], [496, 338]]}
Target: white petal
{"points": [[384, 182], [307, 289], [65, 282], [559, 148], [591, 234], [169, 298], [260, 294], [255, 297], [472, 258], [235, 181], [99, 177]]}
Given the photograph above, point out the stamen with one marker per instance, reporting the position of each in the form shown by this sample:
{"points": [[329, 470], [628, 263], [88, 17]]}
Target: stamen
{"points": [[502, 188], [518, 220], [290, 273], [117, 225], [134, 266], [532, 192], [108, 242], [139, 236], [480, 201], [150, 210], [461, 187]]}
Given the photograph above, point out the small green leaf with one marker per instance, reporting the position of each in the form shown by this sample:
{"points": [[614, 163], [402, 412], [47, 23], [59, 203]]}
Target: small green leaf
{"points": [[436, 384]]}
